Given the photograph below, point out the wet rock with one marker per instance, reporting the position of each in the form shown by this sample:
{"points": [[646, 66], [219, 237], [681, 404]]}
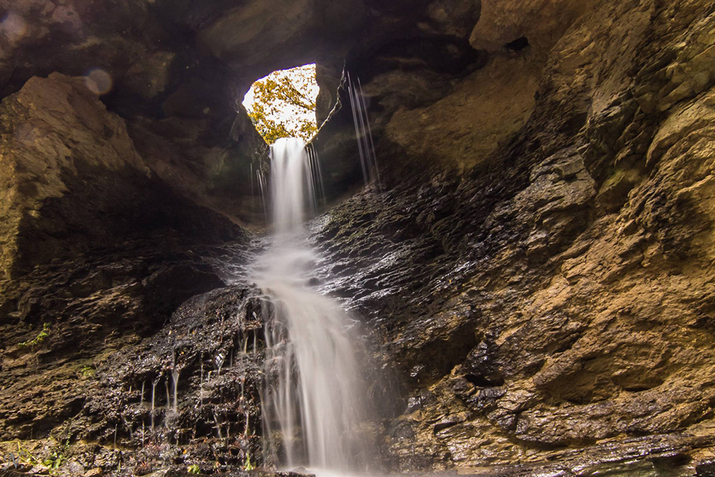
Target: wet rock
{"points": [[479, 367], [448, 422], [99, 252], [484, 400], [705, 469], [566, 244], [210, 351], [169, 287]]}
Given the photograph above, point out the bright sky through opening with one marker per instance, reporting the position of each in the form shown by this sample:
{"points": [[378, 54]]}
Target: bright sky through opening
{"points": [[303, 79]]}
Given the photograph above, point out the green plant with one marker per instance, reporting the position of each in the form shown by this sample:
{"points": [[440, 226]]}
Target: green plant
{"points": [[51, 463], [37, 340], [87, 372], [248, 466], [26, 457], [54, 461], [194, 469]]}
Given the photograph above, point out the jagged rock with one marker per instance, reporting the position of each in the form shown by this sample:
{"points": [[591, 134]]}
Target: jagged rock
{"points": [[538, 22], [57, 133], [535, 264], [98, 251], [575, 244], [315, 29], [74, 179]]}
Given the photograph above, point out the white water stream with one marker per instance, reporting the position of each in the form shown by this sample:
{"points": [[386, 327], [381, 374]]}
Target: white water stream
{"points": [[313, 402]]}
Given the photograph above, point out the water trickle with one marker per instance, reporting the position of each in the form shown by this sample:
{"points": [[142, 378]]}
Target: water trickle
{"points": [[313, 398], [217, 425], [363, 131], [201, 381], [316, 172], [168, 399], [153, 396], [219, 360], [175, 379], [261, 179]]}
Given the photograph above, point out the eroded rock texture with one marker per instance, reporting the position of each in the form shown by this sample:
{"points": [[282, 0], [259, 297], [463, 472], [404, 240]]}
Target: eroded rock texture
{"points": [[557, 293], [97, 251], [146, 61], [535, 266]]}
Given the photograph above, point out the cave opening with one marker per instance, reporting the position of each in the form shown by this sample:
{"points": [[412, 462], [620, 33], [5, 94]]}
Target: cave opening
{"points": [[282, 104], [518, 44]]}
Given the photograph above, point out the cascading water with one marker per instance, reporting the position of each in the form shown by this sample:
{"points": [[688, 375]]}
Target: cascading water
{"points": [[313, 402]]}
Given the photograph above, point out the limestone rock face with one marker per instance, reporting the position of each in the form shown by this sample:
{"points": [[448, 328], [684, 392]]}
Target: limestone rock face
{"points": [[555, 296], [540, 22], [55, 134], [252, 38], [72, 179], [95, 249], [150, 70], [74, 37], [464, 126]]}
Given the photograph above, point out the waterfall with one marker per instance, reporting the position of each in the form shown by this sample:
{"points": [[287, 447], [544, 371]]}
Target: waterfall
{"points": [[313, 398]]}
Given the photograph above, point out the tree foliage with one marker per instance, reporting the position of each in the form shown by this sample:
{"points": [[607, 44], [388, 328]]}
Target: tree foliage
{"points": [[283, 104]]}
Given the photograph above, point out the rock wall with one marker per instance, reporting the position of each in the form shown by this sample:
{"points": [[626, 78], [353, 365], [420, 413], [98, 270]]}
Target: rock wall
{"points": [[150, 69], [97, 250], [55, 127], [73, 179], [550, 290]]}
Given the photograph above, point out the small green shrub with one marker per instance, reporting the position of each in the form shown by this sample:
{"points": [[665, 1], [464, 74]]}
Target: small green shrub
{"points": [[194, 469], [51, 463]]}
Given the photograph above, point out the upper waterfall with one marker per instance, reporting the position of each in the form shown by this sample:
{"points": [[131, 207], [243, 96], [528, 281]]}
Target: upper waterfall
{"points": [[292, 185]]}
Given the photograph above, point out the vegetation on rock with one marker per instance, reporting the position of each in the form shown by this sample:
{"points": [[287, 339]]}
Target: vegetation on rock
{"points": [[37, 340]]}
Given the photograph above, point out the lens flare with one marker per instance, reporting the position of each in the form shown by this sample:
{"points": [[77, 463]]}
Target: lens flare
{"points": [[13, 27], [98, 81]]}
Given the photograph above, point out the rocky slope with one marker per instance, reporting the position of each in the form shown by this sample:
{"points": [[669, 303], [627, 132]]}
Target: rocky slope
{"points": [[555, 295], [97, 251], [535, 266]]}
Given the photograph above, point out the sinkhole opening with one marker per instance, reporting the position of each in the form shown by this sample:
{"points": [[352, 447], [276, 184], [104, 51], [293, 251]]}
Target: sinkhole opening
{"points": [[282, 104]]}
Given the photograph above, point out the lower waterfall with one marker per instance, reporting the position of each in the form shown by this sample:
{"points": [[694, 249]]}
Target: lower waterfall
{"points": [[314, 398]]}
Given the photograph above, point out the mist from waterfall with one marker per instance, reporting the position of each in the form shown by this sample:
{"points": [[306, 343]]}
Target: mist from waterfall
{"points": [[313, 400]]}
